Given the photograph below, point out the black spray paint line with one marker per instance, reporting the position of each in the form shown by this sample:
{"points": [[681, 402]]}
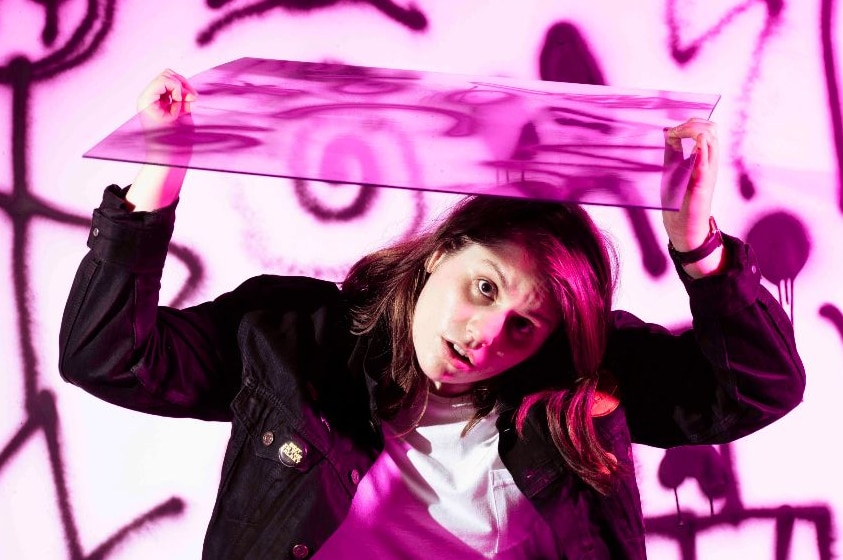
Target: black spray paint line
{"points": [[692, 526], [410, 16], [566, 56], [833, 314], [827, 11], [22, 207], [683, 54], [716, 477], [685, 528]]}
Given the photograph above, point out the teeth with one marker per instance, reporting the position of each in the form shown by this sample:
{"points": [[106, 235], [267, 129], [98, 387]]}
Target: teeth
{"points": [[459, 351]]}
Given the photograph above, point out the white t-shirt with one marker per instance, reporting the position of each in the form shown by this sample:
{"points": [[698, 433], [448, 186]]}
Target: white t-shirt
{"points": [[435, 494]]}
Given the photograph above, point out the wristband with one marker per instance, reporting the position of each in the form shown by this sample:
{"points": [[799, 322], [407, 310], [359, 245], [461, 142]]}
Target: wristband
{"points": [[712, 242]]}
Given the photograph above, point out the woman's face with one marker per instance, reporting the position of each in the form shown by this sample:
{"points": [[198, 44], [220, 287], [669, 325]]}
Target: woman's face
{"points": [[480, 313]]}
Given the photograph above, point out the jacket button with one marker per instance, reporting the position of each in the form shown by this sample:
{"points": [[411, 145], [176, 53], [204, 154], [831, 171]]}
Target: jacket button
{"points": [[267, 438], [95, 232], [300, 551], [354, 475]]}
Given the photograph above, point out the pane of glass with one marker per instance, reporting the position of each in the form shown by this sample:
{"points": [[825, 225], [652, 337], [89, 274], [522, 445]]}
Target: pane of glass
{"points": [[426, 131]]}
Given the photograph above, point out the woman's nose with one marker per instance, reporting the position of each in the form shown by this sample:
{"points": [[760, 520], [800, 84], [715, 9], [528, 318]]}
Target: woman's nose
{"points": [[484, 327]]}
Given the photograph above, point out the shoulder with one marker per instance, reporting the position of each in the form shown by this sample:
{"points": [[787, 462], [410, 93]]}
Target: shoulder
{"points": [[292, 308], [277, 294], [299, 283], [290, 290], [620, 319]]}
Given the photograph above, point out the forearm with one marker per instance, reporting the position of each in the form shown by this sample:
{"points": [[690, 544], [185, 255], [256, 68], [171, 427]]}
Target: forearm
{"points": [[154, 187], [163, 106]]}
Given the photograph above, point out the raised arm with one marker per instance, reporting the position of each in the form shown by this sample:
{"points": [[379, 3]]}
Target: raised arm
{"points": [[735, 372], [115, 342], [166, 101], [738, 369], [118, 345]]}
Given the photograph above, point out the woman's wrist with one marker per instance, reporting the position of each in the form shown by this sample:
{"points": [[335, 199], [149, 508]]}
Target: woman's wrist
{"points": [[700, 258], [154, 187], [714, 263]]}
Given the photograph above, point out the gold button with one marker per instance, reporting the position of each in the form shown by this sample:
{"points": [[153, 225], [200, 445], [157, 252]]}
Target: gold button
{"points": [[300, 551], [267, 438]]}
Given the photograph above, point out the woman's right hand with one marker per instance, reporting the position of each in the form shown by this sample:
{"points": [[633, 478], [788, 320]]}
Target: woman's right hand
{"points": [[165, 102], [167, 96]]}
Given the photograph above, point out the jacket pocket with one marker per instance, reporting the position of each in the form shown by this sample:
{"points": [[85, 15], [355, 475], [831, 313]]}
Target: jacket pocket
{"points": [[515, 518], [267, 463]]}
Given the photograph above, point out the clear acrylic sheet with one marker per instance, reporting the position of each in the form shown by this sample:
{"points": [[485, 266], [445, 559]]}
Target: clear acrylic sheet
{"points": [[426, 131]]}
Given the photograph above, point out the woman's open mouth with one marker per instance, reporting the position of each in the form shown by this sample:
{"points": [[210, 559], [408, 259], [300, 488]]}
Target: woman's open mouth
{"points": [[458, 353]]}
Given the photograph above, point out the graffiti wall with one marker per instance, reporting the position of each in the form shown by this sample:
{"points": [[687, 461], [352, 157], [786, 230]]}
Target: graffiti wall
{"points": [[80, 479]]}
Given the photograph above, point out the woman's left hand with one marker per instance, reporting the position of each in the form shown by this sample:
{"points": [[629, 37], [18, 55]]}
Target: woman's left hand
{"points": [[688, 227]]}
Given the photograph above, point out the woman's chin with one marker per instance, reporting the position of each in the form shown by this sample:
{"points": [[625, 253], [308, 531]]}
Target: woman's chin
{"points": [[445, 389]]}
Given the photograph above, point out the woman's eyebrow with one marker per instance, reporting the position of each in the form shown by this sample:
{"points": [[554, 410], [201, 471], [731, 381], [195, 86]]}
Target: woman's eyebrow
{"points": [[504, 281]]}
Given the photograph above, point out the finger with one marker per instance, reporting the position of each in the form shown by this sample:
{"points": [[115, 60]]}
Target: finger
{"points": [[167, 87], [713, 151], [702, 153], [160, 89], [172, 86], [190, 92], [692, 128], [182, 90], [175, 109]]}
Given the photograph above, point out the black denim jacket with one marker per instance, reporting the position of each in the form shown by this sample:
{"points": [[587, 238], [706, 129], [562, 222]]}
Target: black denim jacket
{"points": [[274, 357]]}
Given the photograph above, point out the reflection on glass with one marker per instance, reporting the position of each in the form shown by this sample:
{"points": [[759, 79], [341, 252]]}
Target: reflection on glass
{"points": [[427, 131]]}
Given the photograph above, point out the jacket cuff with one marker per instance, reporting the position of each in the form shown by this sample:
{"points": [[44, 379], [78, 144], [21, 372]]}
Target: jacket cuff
{"points": [[137, 241], [729, 292]]}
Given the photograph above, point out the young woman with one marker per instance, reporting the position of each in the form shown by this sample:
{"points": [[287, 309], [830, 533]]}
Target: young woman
{"points": [[469, 393]]}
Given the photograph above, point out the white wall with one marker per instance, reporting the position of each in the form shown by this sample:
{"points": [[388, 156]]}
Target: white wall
{"points": [[69, 485]]}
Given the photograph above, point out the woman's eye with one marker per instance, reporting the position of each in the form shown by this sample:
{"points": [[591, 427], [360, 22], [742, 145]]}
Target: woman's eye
{"points": [[522, 326], [486, 288]]}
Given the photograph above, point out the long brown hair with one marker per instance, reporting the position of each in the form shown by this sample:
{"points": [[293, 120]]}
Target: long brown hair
{"points": [[563, 375]]}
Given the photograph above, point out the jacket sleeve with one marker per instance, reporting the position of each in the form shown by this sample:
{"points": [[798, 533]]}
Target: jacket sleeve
{"points": [[735, 372], [119, 345]]}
